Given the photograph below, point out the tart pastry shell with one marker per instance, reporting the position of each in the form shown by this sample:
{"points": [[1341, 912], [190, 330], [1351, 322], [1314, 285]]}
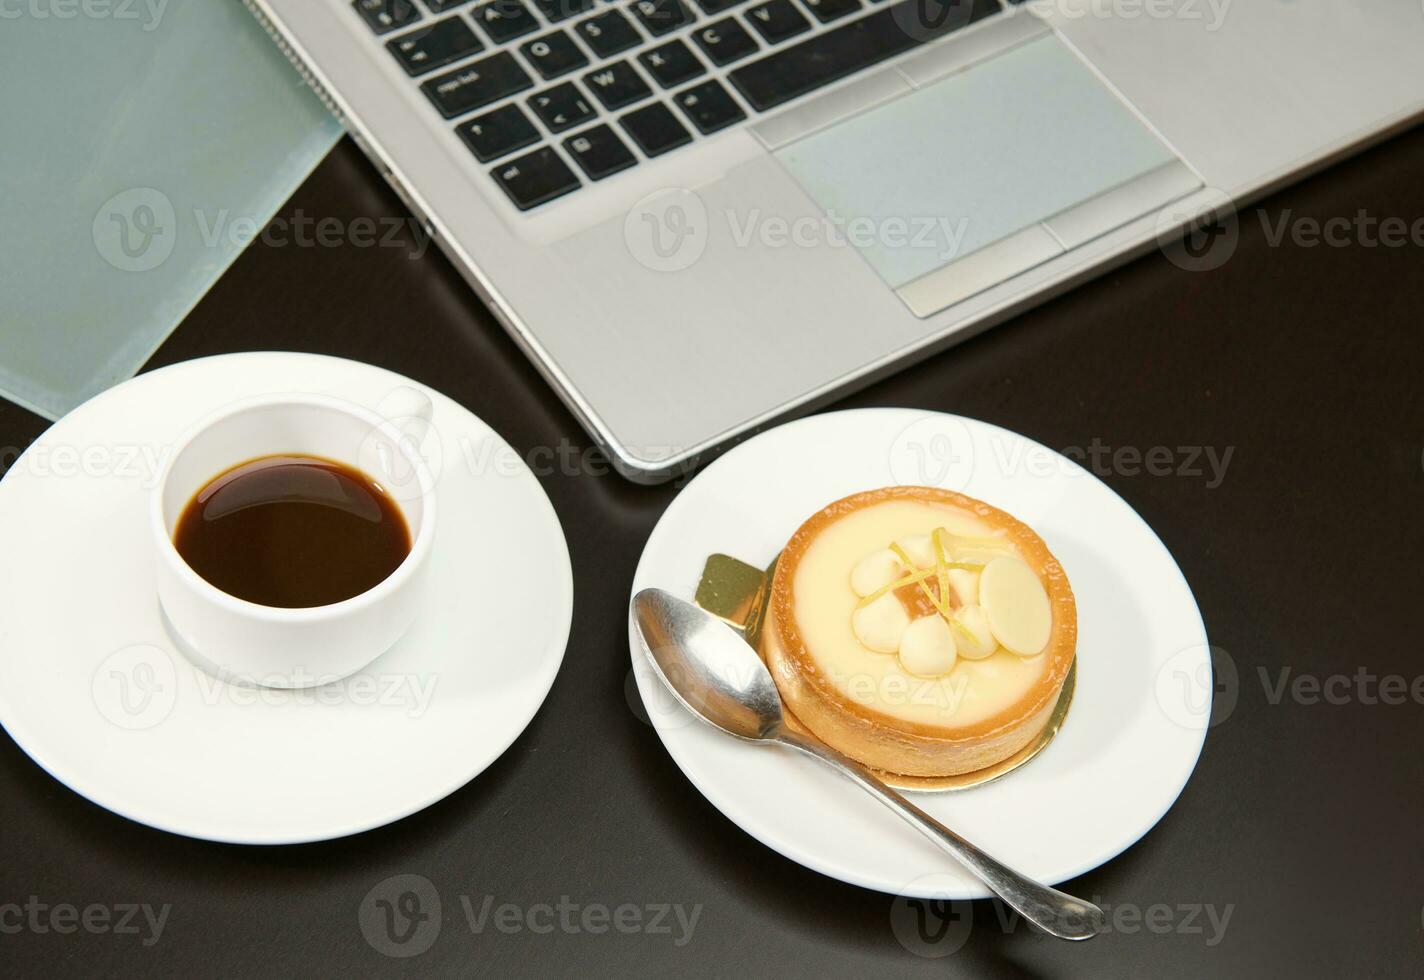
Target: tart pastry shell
{"points": [[878, 738]]}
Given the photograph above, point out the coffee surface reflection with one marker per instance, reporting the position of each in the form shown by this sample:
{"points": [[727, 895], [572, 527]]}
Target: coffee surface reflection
{"points": [[292, 531]]}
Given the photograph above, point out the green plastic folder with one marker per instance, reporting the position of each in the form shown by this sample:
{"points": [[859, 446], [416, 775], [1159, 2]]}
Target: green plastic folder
{"points": [[143, 144]]}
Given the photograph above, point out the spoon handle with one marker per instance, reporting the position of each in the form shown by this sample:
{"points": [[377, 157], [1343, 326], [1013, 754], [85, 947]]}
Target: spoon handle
{"points": [[1052, 911]]}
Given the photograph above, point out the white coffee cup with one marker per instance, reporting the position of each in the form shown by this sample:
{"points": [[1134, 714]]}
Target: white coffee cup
{"points": [[280, 647]]}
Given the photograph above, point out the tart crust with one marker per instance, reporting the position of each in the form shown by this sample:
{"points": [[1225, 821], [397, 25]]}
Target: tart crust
{"points": [[885, 741]]}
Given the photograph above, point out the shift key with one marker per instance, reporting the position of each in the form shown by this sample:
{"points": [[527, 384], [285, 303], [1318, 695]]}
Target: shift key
{"points": [[477, 84]]}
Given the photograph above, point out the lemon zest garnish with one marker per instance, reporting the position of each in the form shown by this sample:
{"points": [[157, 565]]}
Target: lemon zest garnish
{"points": [[940, 602], [940, 572], [943, 544], [941, 607], [937, 537], [910, 579], [973, 637], [902, 555], [905, 558]]}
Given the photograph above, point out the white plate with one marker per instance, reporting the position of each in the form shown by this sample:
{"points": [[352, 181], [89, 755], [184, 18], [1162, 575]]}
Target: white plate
{"points": [[92, 688], [1143, 699]]}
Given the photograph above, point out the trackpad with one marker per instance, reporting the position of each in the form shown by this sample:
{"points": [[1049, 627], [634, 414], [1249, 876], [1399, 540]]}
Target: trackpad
{"points": [[961, 184]]}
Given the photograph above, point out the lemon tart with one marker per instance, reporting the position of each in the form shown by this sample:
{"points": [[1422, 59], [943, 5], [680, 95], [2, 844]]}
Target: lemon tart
{"points": [[919, 630]]}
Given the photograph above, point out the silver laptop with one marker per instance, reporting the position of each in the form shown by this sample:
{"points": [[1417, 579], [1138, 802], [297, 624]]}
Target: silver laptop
{"points": [[696, 216]]}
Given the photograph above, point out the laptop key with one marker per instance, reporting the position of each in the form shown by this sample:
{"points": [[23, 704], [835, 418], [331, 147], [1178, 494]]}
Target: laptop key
{"points": [[662, 16], [671, 64], [831, 55], [776, 20], [599, 152], [440, 6], [557, 10], [617, 85], [608, 33], [467, 89], [504, 20], [535, 178], [717, 6], [561, 107], [428, 48], [724, 41], [829, 10], [496, 133], [655, 129], [384, 16], [709, 106], [553, 54]]}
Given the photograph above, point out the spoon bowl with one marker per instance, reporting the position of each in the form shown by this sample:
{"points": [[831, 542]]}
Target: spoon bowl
{"points": [[724, 682]]}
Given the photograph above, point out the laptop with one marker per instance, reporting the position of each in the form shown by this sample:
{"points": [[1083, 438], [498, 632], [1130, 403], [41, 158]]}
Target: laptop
{"points": [[699, 216]]}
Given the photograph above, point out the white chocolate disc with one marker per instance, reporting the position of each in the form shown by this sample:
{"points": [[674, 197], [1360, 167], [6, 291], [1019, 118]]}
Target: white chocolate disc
{"points": [[880, 624], [927, 648], [1016, 606], [919, 549], [974, 638], [875, 571]]}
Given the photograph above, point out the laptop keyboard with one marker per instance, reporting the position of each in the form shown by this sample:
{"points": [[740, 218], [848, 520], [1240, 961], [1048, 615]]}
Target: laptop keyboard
{"points": [[518, 78]]}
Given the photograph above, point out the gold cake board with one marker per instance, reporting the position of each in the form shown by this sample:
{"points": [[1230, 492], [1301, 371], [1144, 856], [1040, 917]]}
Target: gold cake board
{"points": [[737, 593]]}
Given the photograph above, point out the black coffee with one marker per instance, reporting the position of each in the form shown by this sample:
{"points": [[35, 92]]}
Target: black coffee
{"points": [[292, 531]]}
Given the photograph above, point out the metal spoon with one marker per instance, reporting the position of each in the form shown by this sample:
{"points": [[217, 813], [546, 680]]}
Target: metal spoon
{"points": [[720, 679]]}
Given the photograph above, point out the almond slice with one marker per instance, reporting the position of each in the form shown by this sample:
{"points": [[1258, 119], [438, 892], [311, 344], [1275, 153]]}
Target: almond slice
{"points": [[880, 624], [965, 585], [875, 571], [971, 630], [927, 647]]}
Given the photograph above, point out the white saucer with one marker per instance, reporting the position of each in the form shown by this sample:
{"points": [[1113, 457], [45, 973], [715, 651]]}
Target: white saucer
{"points": [[92, 688], [1143, 699]]}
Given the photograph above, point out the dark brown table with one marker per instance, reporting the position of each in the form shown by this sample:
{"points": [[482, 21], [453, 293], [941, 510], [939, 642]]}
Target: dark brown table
{"points": [[1295, 849]]}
